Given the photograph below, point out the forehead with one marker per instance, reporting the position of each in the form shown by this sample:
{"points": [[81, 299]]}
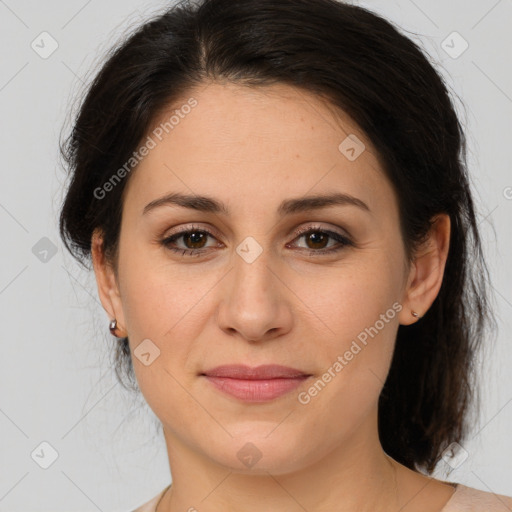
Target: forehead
{"points": [[259, 144]]}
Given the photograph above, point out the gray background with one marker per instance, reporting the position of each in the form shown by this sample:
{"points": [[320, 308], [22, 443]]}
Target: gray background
{"points": [[56, 383]]}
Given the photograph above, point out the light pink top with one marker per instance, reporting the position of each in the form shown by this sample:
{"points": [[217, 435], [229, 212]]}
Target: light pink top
{"points": [[468, 499], [464, 499]]}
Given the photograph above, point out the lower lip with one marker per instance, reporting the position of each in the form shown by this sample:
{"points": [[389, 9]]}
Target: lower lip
{"points": [[256, 390]]}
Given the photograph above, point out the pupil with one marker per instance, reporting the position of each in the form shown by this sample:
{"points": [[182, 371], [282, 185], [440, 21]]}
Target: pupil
{"points": [[317, 238], [195, 237]]}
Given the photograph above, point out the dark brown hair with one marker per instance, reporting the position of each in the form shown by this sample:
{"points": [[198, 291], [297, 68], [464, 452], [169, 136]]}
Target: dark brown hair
{"points": [[363, 66]]}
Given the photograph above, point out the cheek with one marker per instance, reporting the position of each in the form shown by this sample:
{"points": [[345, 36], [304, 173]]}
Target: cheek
{"points": [[358, 308], [341, 307], [165, 304], [345, 301], [160, 297]]}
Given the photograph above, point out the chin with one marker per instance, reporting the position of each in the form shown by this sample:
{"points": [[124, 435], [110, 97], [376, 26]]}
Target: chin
{"points": [[260, 453]]}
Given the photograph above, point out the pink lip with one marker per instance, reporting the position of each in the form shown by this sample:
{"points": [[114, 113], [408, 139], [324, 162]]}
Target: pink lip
{"points": [[255, 384]]}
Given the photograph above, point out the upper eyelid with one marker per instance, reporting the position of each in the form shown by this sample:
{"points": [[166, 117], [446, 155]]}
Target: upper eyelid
{"points": [[343, 241], [299, 232]]}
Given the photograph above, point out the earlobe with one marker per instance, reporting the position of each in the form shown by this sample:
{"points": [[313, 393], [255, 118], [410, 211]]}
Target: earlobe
{"points": [[427, 271], [106, 281]]}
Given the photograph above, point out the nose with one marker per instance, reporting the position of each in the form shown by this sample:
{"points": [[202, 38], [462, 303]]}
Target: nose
{"points": [[255, 301]]}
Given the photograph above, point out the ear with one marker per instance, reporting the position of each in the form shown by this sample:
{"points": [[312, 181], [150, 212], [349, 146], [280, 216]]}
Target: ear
{"points": [[106, 280], [427, 270]]}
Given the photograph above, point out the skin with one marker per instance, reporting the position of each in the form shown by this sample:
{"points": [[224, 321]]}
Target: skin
{"points": [[253, 148]]}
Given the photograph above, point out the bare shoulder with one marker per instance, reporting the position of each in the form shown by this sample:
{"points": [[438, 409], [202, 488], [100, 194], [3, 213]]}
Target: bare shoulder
{"points": [[469, 499], [423, 493], [150, 505]]}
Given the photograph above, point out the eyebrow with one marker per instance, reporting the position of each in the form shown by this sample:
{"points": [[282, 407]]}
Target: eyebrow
{"points": [[287, 207]]}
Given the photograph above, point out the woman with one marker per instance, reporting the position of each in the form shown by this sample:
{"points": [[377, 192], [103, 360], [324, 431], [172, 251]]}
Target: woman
{"points": [[277, 209]]}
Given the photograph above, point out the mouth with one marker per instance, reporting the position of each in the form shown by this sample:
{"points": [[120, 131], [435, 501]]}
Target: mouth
{"points": [[255, 384]]}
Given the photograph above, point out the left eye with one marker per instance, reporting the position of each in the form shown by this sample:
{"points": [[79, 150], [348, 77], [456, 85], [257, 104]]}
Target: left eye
{"points": [[195, 237], [195, 241], [319, 237]]}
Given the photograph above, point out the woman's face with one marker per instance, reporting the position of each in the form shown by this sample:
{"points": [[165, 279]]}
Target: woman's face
{"points": [[256, 291]]}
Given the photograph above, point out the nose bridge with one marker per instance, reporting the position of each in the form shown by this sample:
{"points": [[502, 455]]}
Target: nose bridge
{"points": [[252, 278], [253, 303]]}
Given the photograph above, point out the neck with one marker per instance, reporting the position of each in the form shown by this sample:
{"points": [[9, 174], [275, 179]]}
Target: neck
{"points": [[354, 476]]}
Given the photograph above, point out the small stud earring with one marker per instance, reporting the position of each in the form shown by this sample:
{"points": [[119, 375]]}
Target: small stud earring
{"points": [[113, 327], [414, 314]]}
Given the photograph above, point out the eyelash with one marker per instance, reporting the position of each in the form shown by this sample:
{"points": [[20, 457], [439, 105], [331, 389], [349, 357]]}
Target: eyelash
{"points": [[344, 240]]}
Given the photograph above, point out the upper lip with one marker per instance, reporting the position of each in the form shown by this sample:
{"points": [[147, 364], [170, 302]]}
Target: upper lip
{"points": [[265, 371]]}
